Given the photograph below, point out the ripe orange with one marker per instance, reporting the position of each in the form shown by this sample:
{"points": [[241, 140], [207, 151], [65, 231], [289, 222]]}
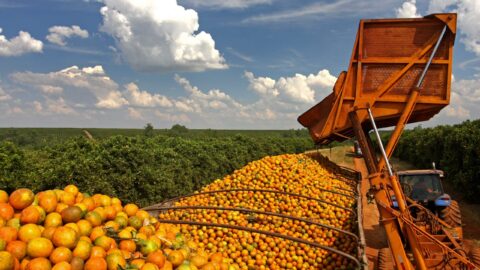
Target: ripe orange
{"points": [[67, 198], [83, 249], [167, 266], [85, 227], [48, 232], [6, 211], [62, 266], [53, 220], [48, 202], [149, 266], [128, 245], [77, 263], [156, 258], [98, 252], [71, 189], [3, 196], [28, 232], [89, 203], [176, 257], [94, 218], [96, 263], [8, 234], [65, 237], [39, 247], [30, 214], [131, 209], [21, 198], [116, 261], [104, 242], [39, 264], [17, 249], [138, 263], [61, 254]]}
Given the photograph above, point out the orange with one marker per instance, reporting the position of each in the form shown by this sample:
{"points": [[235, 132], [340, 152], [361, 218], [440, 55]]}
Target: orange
{"points": [[116, 261], [71, 189], [62, 266], [6, 211], [110, 212], [72, 214], [39, 247], [85, 227], [176, 257], [167, 266], [104, 242], [48, 232], [138, 263], [98, 252], [135, 222], [89, 203], [48, 202], [8, 234], [121, 221], [60, 207], [142, 214], [24, 264], [39, 264], [97, 232], [128, 245], [28, 232], [149, 266], [21, 198], [65, 237], [94, 218], [198, 260], [83, 249], [96, 263], [130, 209], [53, 220], [61, 254], [156, 258], [105, 200], [67, 198], [3, 244], [3, 196], [77, 263], [30, 214], [17, 248]]}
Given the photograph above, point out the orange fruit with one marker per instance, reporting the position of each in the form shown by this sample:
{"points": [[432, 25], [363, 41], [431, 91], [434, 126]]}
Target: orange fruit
{"points": [[156, 258], [83, 249], [131, 209], [176, 257], [3, 196], [142, 214], [138, 263], [105, 200], [128, 245], [39, 247], [30, 214], [21, 198], [149, 266], [24, 264], [167, 266], [135, 222], [17, 248], [3, 244], [110, 212], [67, 198], [121, 221], [198, 260], [8, 234], [28, 232], [53, 220], [96, 263], [61, 254], [97, 232], [94, 218], [104, 242], [60, 207], [72, 214], [115, 261], [65, 237], [71, 189], [48, 202], [89, 203], [62, 266], [6, 211], [39, 264], [85, 227], [77, 263], [48, 232], [98, 252]]}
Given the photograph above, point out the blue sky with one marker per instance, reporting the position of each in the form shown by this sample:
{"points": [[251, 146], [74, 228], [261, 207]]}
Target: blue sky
{"points": [[239, 64]]}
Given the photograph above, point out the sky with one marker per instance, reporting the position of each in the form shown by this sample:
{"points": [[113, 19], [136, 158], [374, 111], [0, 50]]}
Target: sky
{"points": [[237, 64]]}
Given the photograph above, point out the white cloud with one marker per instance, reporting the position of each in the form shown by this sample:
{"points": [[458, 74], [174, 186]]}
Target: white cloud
{"points": [[92, 79], [156, 35], [37, 106], [21, 44], [230, 4], [141, 98], [58, 34], [59, 106], [134, 114], [298, 88], [174, 118], [50, 89], [4, 95], [407, 10], [468, 23]]}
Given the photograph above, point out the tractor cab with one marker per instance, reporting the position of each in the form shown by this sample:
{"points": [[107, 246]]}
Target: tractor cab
{"points": [[425, 187]]}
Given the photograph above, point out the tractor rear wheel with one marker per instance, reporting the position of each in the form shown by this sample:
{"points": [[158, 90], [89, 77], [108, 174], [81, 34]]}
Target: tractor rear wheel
{"points": [[475, 256], [451, 214], [385, 259]]}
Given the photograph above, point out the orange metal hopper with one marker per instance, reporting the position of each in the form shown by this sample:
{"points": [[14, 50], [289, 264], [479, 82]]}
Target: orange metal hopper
{"points": [[387, 61]]}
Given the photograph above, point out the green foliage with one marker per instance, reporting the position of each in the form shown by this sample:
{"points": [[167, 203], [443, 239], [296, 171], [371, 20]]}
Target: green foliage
{"points": [[148, 130], [139, 168], [455, 149]]}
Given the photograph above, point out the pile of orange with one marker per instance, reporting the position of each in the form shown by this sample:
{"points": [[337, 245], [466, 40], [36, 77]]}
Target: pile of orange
{"points": [[326, 199], [70, 230]]}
